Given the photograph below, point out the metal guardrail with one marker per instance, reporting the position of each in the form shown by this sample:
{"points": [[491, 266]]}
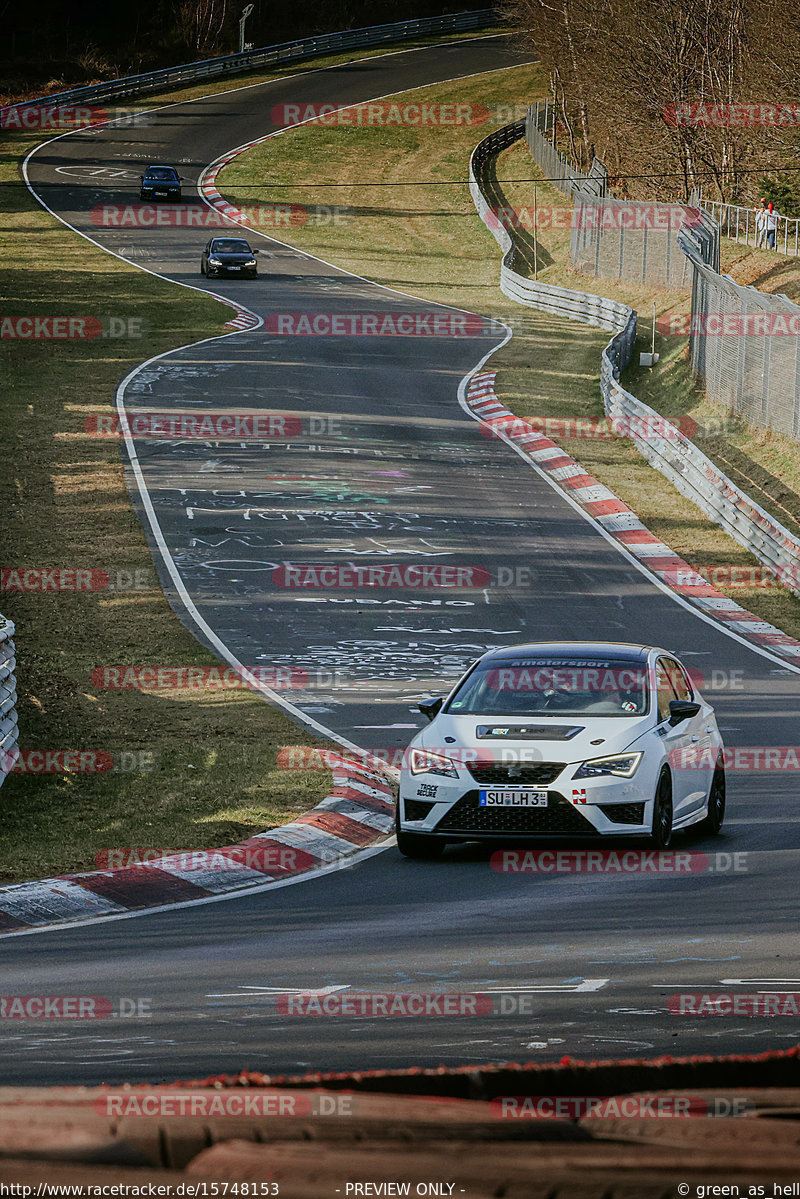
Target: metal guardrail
{"points": [[664, 446], [9, 749], [301, 48], [739, 223]]}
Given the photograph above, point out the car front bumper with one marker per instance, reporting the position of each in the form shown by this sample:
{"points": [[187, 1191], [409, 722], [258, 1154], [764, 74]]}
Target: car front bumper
{"points": [[601, 806]]}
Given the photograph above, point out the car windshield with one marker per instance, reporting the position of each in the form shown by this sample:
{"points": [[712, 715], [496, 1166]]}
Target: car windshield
{"points": [[230, 245], [162, 174], [553, 687]]}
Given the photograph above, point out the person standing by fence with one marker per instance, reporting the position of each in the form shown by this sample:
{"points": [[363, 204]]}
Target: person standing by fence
{"points": [[772, 226], [761, 224]]}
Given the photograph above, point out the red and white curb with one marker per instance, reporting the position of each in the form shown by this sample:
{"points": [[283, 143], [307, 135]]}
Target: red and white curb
{"points": [[622, 523], [359, 812], [243, 318]]}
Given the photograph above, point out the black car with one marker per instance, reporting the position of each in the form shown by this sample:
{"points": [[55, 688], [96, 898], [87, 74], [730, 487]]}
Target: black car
{"points": [[229, 256], [160, 183]]}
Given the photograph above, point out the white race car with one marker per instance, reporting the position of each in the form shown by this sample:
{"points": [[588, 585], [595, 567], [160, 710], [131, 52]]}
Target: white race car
{"points": [[563, 739]]}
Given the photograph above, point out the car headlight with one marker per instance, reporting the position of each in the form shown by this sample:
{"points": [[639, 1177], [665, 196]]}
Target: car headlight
{"points": [[622, 765], [423, 762], [252, 262], [214, 262]]}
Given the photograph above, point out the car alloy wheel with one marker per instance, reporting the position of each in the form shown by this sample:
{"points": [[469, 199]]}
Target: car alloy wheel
{"points": [[661, 834], [716, 802]]}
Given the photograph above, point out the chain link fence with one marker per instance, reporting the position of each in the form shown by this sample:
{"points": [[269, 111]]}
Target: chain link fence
{"points": [[557, 169], [744, 343], [611, 238]]}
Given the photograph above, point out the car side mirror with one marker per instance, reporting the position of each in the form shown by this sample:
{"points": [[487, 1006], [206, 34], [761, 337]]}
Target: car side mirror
{"points": [[181, 178], [682, 709], [256, 251], [431, 707]]}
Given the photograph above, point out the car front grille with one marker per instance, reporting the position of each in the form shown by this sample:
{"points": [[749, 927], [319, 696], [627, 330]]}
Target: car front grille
{"points": [[467, 816], [623, 813], [509, 774], [416, 809]]}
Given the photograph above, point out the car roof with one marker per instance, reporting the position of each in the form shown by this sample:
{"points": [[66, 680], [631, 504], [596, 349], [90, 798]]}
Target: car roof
{"points": [[157, 166], [600, 651], [228, 237]]}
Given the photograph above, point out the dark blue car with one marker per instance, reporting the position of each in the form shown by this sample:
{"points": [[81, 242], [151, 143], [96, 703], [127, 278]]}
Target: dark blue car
{"points": [[160, 183]]}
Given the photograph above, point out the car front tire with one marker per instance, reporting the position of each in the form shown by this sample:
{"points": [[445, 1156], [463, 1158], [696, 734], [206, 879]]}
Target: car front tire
{"points": [[716, 802], [661, 829]]}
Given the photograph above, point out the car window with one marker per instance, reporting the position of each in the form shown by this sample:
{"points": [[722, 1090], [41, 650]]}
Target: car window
{"points": [[680, 683], [666, 691], [231, 245], [550, 687], [162, 175]]}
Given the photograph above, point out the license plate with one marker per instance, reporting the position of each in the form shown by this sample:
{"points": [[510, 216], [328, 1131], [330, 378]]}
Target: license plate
{"points": [[512, 799], [161, 195], [234, 268]]}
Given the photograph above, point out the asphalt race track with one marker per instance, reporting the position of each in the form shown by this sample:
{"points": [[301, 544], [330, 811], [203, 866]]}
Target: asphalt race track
{"points": [[394, 471]]}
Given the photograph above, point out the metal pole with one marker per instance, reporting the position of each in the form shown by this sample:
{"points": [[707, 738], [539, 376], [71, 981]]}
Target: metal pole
{"points": [[245, 14]]}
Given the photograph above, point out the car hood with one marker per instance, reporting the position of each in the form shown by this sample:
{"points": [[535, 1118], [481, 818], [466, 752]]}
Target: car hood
{"points": [[535, 739], [230, 257]]}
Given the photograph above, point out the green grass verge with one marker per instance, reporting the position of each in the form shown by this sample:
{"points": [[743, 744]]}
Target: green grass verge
{"points": [[421, 235], [210, 774]]}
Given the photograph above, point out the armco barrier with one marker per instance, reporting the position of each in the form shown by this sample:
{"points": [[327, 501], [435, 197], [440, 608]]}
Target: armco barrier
{"points": [[231, 64], [9, 750], [664, 447]]}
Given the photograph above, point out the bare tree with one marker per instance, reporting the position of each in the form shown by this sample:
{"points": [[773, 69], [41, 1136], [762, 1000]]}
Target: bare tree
{"points": [[201, 24], [650, 81]]}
